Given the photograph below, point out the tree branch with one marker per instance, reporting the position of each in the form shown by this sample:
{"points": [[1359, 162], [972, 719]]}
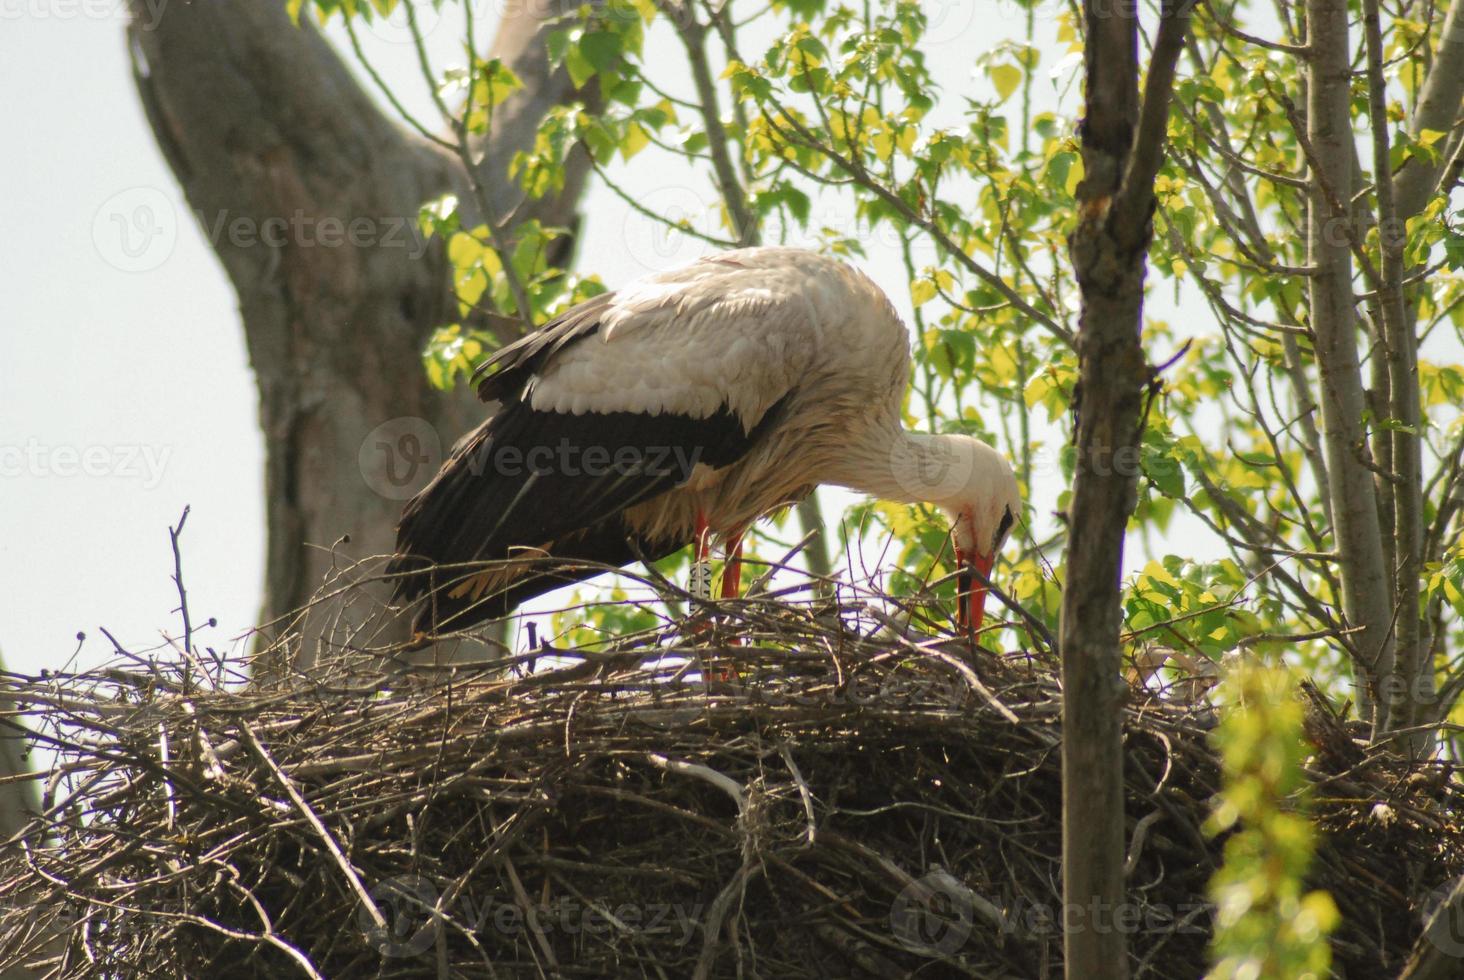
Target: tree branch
{"points": [[1404, 408], [1437, 109], [1108, 249], [1328, 138], [693, 35], [1134, 204], [925, 223]]}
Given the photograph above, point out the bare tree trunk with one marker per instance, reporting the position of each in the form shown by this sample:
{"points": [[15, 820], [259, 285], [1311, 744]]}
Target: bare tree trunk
{"points": [[279, 151], [1366, 579], [1122, 148], [19, 802]]}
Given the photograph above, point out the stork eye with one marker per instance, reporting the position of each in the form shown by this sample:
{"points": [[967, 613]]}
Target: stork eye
{"points": [[1001, 529]]}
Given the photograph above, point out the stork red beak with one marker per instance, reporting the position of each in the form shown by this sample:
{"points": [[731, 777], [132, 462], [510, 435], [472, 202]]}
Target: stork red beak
{"points": [[971, 589]]}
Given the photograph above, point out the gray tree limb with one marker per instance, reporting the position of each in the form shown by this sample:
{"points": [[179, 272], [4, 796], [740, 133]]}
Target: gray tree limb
{"points": [[1437, 109], [19, 802], [1123, 145], [1404, 408], [1365, 578]]}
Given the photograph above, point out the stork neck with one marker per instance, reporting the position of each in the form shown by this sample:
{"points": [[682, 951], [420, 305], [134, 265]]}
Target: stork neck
{"points": [[894, 464]]}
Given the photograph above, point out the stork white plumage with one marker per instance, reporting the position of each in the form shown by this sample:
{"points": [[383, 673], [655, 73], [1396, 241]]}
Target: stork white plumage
{"points": [[680, 408]]}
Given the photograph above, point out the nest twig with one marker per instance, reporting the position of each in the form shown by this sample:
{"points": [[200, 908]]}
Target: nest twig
{"points": [[804, 790]]}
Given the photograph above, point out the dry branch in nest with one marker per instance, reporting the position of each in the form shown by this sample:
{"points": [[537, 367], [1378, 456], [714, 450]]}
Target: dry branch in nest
{"points": [[851, 800]]}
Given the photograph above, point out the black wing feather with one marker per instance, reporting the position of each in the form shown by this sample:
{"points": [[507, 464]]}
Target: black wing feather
{"points": [[506, 485], [610, 543], [504, 375], [541, 479]]}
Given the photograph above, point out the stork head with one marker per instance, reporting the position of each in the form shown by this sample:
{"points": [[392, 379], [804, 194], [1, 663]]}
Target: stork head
{"points": [[975, 487]]}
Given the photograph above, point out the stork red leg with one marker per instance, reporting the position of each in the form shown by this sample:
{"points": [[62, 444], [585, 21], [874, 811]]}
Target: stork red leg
{"points": [[732, 579], [732, 571]]}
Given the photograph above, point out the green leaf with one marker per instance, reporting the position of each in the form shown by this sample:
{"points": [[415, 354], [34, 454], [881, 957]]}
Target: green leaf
{"points": [[601, 49], [798, 204], [1058, 168], [1006, 78], [636, 139], [962, 344], [496, 82], [581, 68], [1165, 471], [922, 291], [557, 45], [1454, 251]]}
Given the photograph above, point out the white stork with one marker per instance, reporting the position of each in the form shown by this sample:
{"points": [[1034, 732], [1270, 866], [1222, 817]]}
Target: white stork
{"points": [[682, 407]]}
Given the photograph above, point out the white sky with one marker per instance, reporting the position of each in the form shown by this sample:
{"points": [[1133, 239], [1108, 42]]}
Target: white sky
{"points": [[125, 391]]}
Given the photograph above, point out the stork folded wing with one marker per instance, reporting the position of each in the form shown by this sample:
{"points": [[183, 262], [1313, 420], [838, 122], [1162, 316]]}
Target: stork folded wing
{"points": [[533, 484]]}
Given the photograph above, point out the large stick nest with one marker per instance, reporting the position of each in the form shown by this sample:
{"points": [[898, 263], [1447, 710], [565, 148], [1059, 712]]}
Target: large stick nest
{"points": [[840, 800]]}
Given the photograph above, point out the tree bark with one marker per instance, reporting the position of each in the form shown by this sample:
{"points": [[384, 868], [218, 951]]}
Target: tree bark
{"points": [[269, 135], [1406, 560], [1437, 109], [19, 803], [1366, 577], [1414, 184], [1122, 144], [18, 800]]}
